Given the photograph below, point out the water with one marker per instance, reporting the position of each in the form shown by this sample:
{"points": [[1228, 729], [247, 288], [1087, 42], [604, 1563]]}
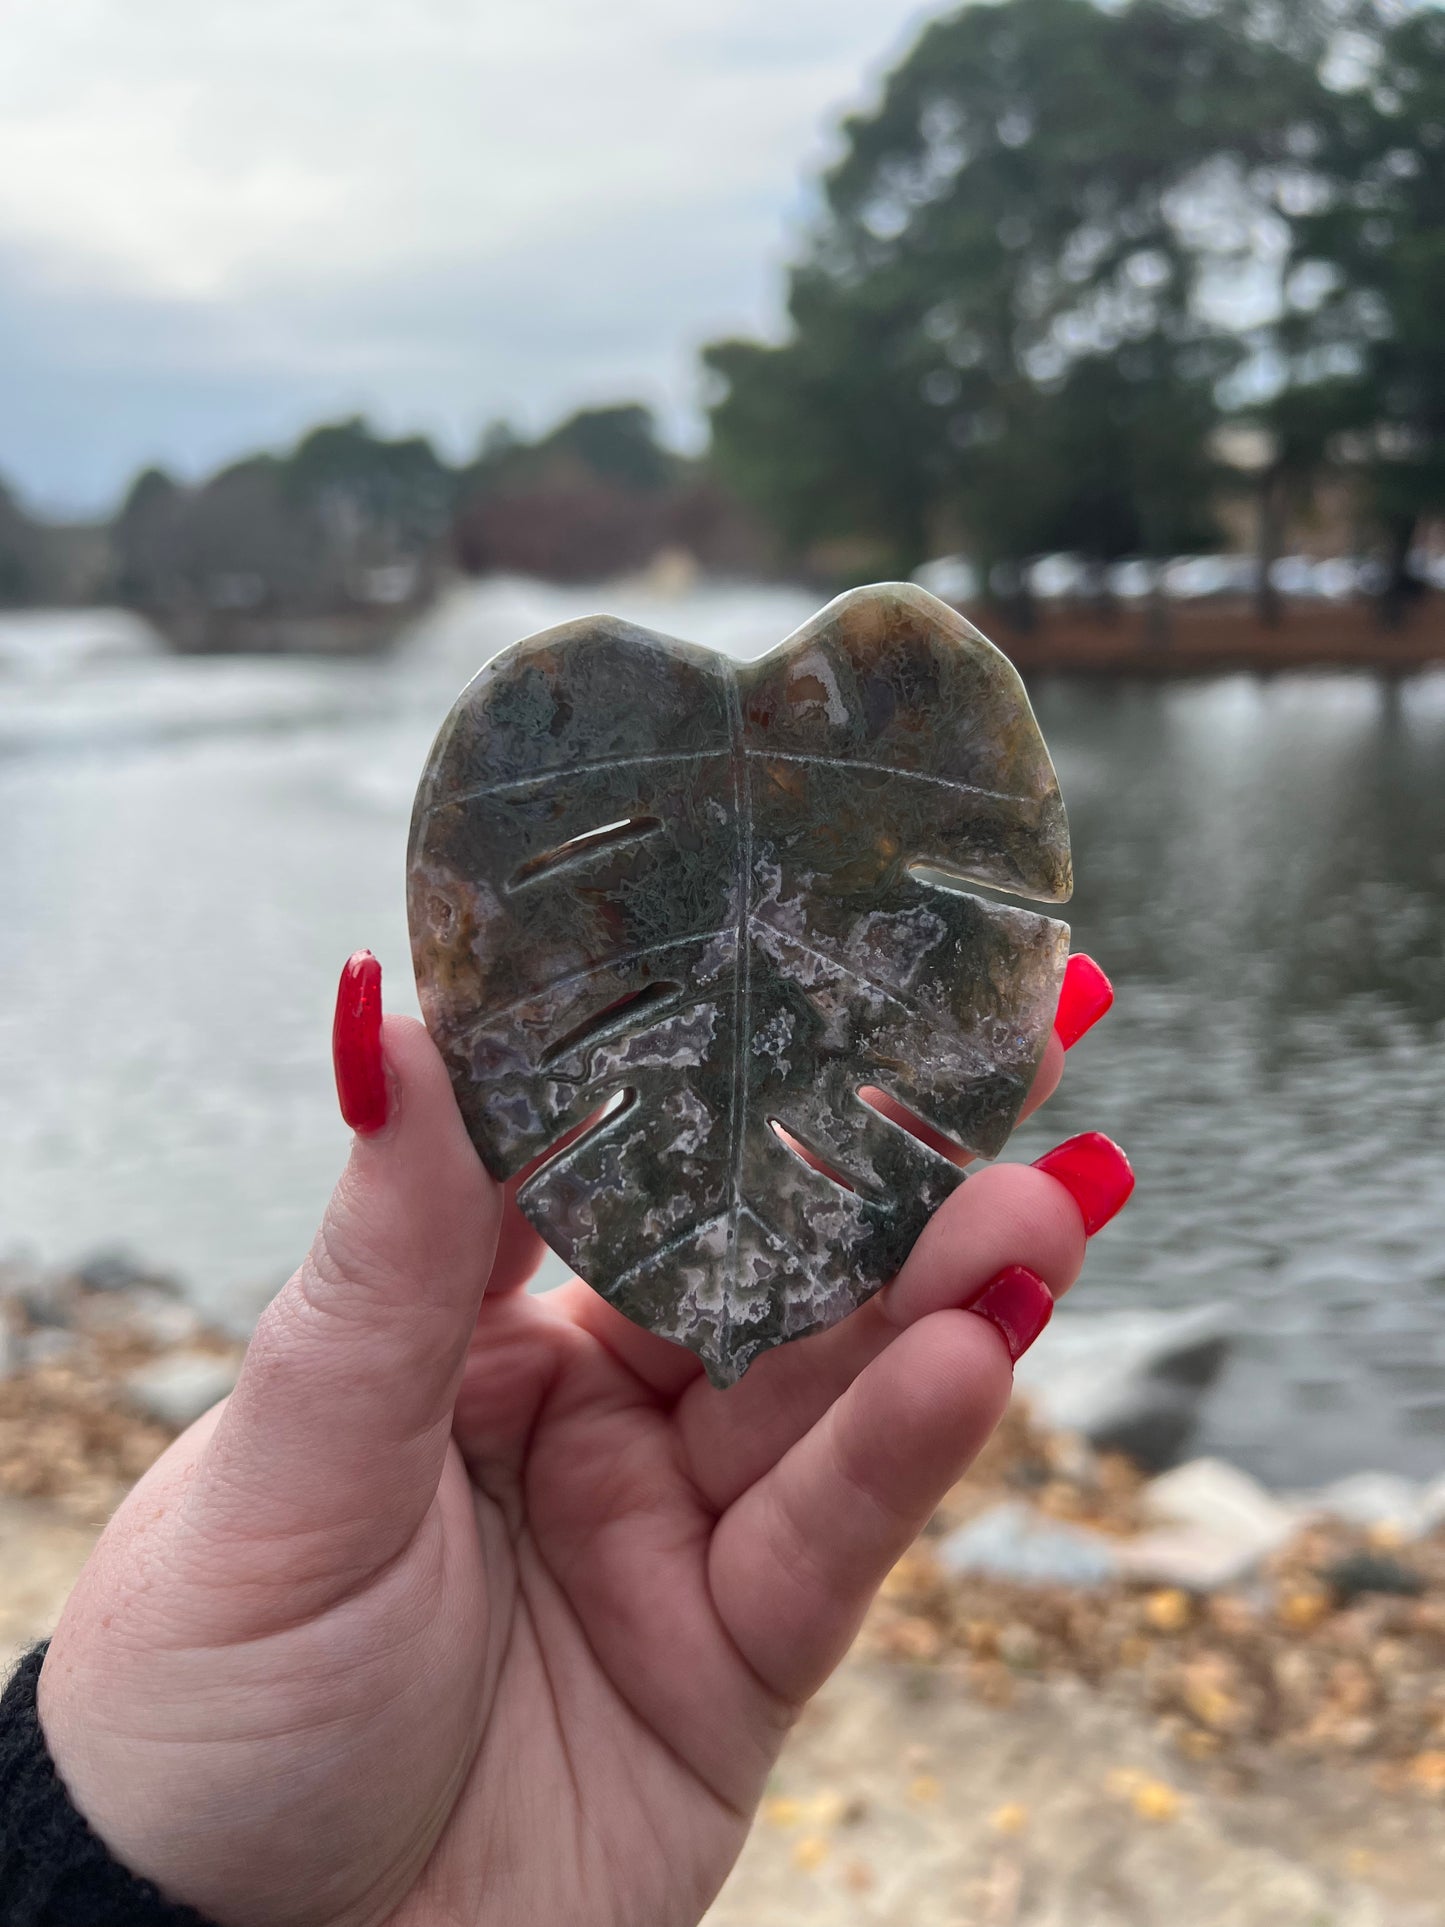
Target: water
{"points": [[189, 849]]}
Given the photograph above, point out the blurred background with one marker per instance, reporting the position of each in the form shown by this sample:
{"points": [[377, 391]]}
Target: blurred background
{"points": [[342, 346], [347, 345]]}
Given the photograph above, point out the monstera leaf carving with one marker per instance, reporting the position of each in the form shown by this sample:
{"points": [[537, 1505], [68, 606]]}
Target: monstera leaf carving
{"points": [[712, 903]]}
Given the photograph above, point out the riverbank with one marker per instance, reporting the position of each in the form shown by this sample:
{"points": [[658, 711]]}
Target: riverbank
{"points": [[1036, 1727], [1220, 638]]}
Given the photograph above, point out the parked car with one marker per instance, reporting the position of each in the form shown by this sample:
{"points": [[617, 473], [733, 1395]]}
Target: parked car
{"points": [[952, 578]]}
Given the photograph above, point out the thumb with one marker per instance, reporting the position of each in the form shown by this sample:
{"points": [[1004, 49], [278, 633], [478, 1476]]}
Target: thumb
{"points": [[337, 1431]]}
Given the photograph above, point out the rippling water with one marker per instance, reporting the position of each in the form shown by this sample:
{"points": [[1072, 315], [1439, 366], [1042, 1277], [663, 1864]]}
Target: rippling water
{"points": [[188, 850]]}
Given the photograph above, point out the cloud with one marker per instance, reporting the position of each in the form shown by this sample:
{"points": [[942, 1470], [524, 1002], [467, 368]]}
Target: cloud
{"points": [[217, 223]]}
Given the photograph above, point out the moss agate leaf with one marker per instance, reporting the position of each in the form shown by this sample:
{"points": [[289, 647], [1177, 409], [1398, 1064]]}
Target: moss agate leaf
{"points": [[713, 902]]}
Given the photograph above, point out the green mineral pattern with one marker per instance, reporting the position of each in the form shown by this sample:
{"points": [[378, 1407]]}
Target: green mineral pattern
{"points": [[680, 912]]}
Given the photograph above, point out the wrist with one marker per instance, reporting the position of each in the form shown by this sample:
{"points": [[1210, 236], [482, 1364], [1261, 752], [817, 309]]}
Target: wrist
{"points": [[56, 1869]]}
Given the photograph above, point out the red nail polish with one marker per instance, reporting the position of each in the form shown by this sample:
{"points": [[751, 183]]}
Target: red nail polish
{"points": [[1085, 997], [356, 1045], [1094, 1172], [1018, 1304]]}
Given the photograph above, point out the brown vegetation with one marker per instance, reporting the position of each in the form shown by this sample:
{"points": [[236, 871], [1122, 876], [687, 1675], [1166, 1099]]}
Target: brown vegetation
{"points": [[1336, 1652], [584, 529]]}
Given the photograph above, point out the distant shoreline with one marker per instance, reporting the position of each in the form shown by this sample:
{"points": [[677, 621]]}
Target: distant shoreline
{"points": [[1221, 640], [1128, 640]]}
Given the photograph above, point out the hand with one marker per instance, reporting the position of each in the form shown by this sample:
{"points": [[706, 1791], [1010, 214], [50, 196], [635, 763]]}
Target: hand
{"points": [[470, 1606]]}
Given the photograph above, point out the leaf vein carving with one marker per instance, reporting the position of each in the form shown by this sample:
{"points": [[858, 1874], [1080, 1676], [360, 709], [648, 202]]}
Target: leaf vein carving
{"points": [[673, 1244], [772, 1231], [832, 963], [549, 776], [545, 777], [850, 764], [742, 985]]}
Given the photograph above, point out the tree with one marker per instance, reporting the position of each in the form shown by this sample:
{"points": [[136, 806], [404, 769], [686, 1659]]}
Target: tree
{"points": [[1368, 275], [297, 533], [615, 445], [398, 494], [1002, 324], [1303, 424], [830, 436], [19, 559], [596, 494], [146, 537]]}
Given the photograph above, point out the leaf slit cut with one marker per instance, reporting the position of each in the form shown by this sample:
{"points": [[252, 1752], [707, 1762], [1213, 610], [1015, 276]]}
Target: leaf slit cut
{"points": [[814, 1159], [928, 1135], [605, 1113], [635, 1011], [934, 875], [589, 843]]}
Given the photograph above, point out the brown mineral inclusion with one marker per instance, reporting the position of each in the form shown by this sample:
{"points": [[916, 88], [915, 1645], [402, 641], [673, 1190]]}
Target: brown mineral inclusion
{"points": [[714, 902]]}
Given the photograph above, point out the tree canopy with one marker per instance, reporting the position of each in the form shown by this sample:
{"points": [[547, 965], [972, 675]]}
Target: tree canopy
{"points": [[1047, 265], [1366, 328]]}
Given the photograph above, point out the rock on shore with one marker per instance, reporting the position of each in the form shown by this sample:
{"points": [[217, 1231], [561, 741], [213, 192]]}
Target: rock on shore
{"points": [[99, 1369], [1130, 1381]]}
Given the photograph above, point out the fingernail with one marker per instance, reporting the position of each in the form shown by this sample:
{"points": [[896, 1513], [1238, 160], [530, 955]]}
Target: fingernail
{"points": [[1085, 997], [1094, 1172], [356, 1045], [1018, 1304]]}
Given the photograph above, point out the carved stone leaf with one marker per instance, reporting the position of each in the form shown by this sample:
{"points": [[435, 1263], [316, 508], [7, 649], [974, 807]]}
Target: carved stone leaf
{"points": [[642, 876]]}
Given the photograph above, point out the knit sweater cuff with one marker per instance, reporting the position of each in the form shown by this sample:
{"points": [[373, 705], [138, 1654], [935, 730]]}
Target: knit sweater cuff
{"points": [[54, 1871]]}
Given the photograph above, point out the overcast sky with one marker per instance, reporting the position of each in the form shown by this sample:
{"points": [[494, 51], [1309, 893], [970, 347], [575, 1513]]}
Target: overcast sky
{"points": [[221, 220]]}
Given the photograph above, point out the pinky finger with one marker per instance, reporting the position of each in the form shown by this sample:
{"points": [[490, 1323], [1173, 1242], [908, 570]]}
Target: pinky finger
{"points": [[796, 1560]]}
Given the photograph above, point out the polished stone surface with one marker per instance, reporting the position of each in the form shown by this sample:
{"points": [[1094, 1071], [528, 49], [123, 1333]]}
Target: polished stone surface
{"points": [[721, 900]]}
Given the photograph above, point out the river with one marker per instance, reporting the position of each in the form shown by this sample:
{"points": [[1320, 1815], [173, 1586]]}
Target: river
{"points": [[190, 848]]}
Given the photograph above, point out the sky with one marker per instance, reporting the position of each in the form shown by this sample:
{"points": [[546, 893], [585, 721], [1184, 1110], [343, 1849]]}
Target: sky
{"points": [[221, 222]]}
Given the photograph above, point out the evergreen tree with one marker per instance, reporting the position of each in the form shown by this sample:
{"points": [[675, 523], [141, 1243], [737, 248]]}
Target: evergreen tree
{"points": [[1006, 329]]}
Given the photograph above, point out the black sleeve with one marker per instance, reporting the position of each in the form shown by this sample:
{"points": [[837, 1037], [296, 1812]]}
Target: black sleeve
{"points": [[54, 1872]]}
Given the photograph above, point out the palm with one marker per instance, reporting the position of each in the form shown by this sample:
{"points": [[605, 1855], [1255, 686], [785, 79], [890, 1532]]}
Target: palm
{"points": [[611, 1681], [658, 1630]]}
